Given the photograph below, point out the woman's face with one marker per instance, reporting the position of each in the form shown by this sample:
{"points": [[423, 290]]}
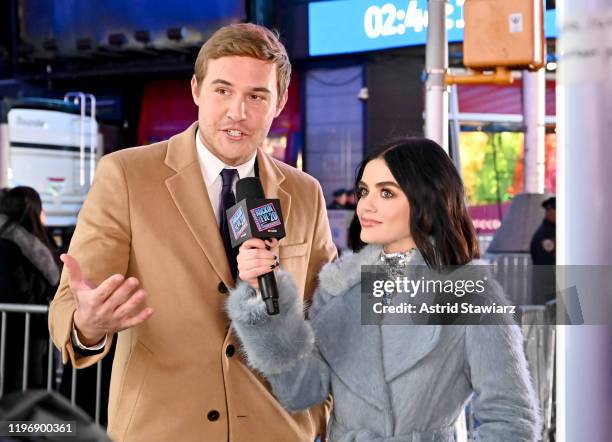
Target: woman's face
{"points": [[383, 209]]}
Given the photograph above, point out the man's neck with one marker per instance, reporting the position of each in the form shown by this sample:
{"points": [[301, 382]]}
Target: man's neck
{"points": [[226, 161]]}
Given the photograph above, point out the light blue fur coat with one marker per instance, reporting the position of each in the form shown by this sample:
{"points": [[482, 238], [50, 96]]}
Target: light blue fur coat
{"points": [[389, 383]]}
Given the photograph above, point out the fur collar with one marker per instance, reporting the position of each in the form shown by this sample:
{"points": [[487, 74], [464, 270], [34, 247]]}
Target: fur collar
{"points": [[343, 274], [32, 248], [337, 277]]}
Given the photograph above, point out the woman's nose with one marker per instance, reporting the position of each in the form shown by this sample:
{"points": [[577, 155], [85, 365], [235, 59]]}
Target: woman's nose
{"points": [[366, 204]]}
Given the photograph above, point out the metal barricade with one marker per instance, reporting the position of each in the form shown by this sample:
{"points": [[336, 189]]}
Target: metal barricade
{"points": [[484, 240], [539, 332], [514, 272], [52, 363]]}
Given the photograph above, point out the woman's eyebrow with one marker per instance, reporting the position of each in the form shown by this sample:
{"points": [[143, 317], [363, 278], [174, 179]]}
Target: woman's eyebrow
{"points": [[387, 184]]}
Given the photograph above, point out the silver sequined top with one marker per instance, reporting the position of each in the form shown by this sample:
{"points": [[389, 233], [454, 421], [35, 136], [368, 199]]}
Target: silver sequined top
{"points": [[396, 264]]}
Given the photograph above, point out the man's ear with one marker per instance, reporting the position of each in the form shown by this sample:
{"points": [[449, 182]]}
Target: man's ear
{"points": [[195, 89], [281, 104]]}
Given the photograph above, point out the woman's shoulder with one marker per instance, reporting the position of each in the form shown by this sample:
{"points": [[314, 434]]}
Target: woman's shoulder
{"points": [[25, 256], [338, 277], [13, 270], [9, 250]]}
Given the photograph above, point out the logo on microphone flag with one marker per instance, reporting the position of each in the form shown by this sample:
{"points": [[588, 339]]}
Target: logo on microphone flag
{"points": [[265, 217], [239, 223]]}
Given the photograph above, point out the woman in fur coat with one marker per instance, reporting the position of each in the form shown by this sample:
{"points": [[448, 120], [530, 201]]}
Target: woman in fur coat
{"points": [[29, 274], [389, 383]]}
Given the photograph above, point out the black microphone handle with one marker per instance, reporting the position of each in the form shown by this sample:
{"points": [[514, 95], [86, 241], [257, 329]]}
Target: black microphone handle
{"points": [[269, 292]]}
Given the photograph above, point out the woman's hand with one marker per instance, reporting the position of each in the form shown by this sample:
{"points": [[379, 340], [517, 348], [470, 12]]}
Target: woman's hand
{"points": [[257, 257]]}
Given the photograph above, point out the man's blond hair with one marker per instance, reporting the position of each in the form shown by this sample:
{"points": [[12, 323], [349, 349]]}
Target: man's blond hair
{"points": [[246, 40]]}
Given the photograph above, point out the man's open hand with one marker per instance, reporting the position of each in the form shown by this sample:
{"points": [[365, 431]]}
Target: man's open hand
{"points": [[115, 305]]}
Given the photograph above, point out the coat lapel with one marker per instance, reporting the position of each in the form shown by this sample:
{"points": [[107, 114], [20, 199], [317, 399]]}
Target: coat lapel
{"points": [[191, 198], [414, 342], [271, 179], [352, 350]]}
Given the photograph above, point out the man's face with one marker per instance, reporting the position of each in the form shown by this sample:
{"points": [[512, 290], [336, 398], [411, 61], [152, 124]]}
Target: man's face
{"points": [[237, 101]]}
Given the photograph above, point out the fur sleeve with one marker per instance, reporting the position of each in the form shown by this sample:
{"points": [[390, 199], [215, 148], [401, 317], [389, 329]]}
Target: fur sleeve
{"points": [[282, 347], [272, 344]]}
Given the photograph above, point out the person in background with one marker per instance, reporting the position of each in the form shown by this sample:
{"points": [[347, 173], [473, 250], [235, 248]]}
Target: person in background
{"points": [[339, 201], [543, 247], [398, 383], [29, 274], [543, 250], [351, 199], [3, 192]]}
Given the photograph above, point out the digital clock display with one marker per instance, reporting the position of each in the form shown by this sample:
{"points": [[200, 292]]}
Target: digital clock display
{"points": [[343, 26]]}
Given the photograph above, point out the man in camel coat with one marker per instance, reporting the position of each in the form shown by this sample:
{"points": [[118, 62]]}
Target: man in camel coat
{"points": [[148, 263]]}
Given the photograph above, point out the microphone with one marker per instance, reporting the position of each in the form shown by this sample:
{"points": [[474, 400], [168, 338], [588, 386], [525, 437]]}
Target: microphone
{"points": [[255, 216]]}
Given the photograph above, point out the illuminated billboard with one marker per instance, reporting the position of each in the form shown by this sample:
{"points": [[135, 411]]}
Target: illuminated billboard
{"points": [[345, 26]]}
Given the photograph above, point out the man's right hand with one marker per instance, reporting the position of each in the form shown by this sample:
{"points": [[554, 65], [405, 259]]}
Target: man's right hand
{"points": [[115, 305]]}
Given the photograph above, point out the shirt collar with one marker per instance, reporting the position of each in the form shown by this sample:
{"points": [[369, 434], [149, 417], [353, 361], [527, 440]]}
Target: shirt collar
{"points": [[212, 166]]}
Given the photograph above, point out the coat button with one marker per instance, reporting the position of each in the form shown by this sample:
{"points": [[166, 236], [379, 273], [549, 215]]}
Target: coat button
{"points": [[213, 415], [222, 288], [230, 350]]}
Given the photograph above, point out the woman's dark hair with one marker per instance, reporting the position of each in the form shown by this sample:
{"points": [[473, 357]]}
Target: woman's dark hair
{"points": [[23, 206], [439, 222]]}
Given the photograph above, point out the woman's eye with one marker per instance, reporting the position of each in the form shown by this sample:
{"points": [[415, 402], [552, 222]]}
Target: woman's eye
{"points": [[386, 194], [362, 192]]}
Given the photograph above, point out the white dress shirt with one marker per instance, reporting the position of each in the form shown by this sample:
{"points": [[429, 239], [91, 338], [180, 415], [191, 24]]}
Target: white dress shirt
{"points": [[211, 172], [211, 167]]}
